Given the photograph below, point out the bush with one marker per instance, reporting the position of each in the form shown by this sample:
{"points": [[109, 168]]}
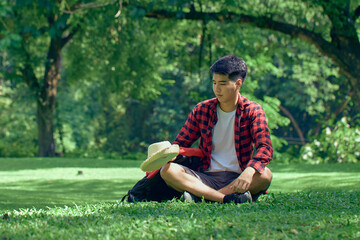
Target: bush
{"points": [[339, 144]]}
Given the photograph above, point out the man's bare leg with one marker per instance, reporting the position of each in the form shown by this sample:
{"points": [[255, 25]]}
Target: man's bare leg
{"points": [[176, 177], [260, 182]]}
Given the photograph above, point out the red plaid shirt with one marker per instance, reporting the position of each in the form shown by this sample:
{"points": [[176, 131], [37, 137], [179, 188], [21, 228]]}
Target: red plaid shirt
{"points": [[251, 130]]}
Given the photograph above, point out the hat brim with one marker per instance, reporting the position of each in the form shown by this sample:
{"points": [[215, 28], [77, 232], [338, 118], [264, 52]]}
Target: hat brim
{"points": [[157, 160]]}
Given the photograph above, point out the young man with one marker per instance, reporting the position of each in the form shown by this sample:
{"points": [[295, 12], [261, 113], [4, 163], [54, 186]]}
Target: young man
{"points": [[229, 127]]}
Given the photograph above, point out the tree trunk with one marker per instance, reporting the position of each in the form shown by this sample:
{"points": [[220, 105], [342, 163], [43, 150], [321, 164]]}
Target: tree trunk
{"points": [[45, 130], [47, 99], [60, 31]]}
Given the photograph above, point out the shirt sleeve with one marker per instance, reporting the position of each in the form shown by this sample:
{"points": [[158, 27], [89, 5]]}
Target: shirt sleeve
{"points": [[189, 133], [261, 137]]}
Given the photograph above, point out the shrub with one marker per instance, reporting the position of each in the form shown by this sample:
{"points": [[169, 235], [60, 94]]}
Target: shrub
{"points": [[338, 144]]}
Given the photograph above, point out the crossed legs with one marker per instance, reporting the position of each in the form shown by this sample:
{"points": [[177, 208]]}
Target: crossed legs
{"points": [[176, 177]]}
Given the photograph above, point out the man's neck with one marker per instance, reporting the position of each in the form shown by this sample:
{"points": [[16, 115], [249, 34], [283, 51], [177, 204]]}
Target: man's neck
{"points": [[229, 107]]}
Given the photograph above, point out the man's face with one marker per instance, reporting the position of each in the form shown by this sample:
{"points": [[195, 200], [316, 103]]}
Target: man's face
{"points": [[225, 90]]}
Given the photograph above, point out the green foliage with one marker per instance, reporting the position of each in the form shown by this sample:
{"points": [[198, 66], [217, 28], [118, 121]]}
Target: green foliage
{"points": [[312, 76], [26, 38], [275, 121], [75, 115], [335, 144], [111, 58], [18, 131], [307, 85], [129, 81], [117, 82]]}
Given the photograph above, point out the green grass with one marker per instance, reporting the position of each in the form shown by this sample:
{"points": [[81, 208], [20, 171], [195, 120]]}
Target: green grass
{"points": [[47, 198], [42, 182]]}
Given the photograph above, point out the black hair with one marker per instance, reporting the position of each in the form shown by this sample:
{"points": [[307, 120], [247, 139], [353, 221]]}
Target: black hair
{"points": [[230, 65]]}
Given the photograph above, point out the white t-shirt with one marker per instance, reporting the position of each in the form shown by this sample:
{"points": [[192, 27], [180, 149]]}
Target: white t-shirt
{"points": [[223, 154]]}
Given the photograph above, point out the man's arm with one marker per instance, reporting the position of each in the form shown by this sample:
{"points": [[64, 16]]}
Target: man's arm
{"points": [[260, 134], [258, 182], [189, 133], [241, 184]]}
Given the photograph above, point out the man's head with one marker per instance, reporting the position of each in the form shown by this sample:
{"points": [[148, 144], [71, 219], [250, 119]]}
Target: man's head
{"points": [[231, 66], [229, 73]]}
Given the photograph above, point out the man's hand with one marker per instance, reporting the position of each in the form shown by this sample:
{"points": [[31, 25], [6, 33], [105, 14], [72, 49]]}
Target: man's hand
{"points": [[242, 183]]}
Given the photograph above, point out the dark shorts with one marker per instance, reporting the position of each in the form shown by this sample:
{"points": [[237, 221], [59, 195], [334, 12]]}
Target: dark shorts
{"points": [[215, 180]]}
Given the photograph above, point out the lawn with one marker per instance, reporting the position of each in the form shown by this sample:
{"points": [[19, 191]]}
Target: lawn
{"points": [[43, 198]]}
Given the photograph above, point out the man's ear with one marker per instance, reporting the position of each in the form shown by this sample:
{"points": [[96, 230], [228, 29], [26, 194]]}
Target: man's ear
{"points": [[238, 82]]}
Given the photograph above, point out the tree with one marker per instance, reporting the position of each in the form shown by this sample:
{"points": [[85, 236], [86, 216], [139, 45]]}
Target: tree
{"points": [[34, 35], [139, 52], [38, 29], [330, 26], [128, 59]]}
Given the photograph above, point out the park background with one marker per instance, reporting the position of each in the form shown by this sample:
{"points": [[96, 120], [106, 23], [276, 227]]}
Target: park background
{"points": [[86, 86], [108, 78]]}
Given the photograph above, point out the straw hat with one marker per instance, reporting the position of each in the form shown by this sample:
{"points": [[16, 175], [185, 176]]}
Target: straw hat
{"points": [[159, 154]]}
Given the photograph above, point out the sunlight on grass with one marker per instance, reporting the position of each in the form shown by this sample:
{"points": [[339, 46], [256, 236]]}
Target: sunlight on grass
{"points": [[15, 164], [60, 186], [75, 174], [315, 181], [79, 199], [42, 182]]}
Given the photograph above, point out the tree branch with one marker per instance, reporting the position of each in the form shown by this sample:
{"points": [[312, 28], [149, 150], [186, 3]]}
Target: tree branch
{"points": [[202, 40], [357, 13], [80, 5], [315, 39], [335, 113], [346, 57], [29, 74], [293, 121], [120, 8], [66, 39]]}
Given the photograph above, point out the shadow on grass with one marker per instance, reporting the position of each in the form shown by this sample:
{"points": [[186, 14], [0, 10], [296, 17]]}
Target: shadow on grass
{"points": [[41, 194]]}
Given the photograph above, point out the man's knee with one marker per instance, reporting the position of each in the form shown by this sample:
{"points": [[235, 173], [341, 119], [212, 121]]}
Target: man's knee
{"points": [[267, 175], [261, 182], [164, 170], [169, 170], [263, 179]]}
